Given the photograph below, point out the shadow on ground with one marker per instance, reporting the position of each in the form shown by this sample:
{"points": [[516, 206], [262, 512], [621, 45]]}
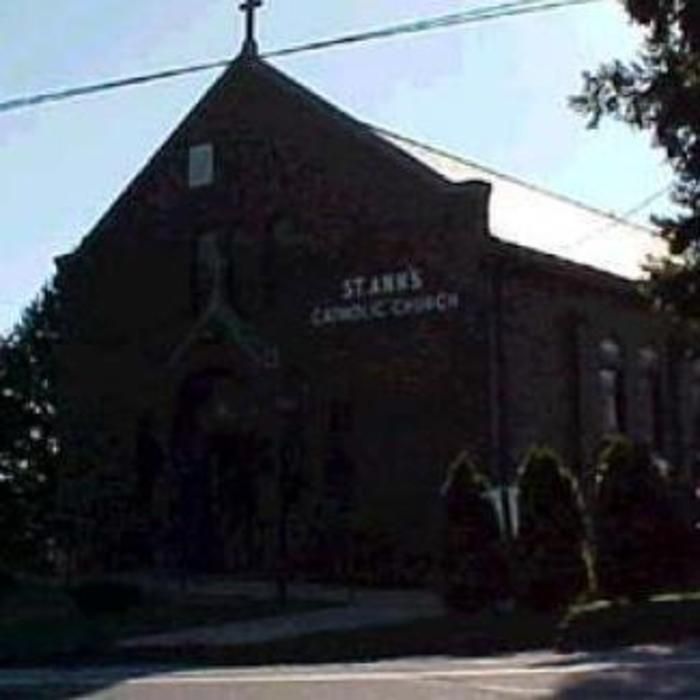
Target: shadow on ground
{"points": [[666, 672], [448, 636], [630, 673], [64, 683]]}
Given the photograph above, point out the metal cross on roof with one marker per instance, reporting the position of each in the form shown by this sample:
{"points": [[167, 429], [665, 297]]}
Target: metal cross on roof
{"points": [[249, 7]]}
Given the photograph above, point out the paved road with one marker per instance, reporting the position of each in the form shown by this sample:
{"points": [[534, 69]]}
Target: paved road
{"points": [[640, 673]]}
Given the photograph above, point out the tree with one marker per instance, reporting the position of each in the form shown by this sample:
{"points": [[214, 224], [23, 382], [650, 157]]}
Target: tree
{"points": [[475, 563], [660, 93], [29, 447], [552, 565]]}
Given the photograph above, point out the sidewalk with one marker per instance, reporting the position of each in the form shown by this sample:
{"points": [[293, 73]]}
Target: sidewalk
{"points": [[356, 609]]}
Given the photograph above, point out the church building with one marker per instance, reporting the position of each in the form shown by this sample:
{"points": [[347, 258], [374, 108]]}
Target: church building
{"points": [[291, 323]]}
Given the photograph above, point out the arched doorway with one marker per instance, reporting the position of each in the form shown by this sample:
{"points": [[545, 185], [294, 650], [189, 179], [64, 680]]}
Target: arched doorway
{"points": [[221, 465]]}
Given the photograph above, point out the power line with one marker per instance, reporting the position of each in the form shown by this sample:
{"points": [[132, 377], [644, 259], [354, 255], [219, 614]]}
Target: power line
{"points": [[58, 95], [613, 219], [618, 220], [645, 202], [478, 14]]}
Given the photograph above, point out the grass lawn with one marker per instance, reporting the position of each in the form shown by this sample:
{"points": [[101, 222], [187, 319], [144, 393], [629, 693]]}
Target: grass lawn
{"points": [[670, 617], [41, 622], [597, 625], [450, 635]]}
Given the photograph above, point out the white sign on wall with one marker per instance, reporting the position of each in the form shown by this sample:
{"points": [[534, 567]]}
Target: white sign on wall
{"points": [[389, 295]]}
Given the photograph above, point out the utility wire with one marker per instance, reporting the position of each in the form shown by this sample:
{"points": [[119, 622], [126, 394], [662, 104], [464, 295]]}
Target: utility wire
{"points": [[58, 95], [614, 219], [645, 203], [617, 220], [478, 14]]}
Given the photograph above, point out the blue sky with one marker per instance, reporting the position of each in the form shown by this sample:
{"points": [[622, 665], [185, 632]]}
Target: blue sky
{"points": [[494, 92]]}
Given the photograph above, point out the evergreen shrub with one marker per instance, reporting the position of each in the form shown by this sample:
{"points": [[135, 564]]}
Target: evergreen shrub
{"points": [[476, 571], [552, 566], [643, 543]]}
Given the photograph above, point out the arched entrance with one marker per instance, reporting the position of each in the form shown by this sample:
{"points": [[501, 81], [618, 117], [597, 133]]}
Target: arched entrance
{"points": [[222, 469]]}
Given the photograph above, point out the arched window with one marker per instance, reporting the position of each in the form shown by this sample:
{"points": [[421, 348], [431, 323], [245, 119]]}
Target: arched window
{"points": [[612, 386], [214, 270], [651, 397], [339, 468], [286, 232], [281, 238], [208, 269], [695, 404], [269, 265]]}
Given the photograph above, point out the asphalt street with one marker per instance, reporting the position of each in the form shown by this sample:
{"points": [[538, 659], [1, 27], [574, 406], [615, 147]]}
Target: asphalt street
{"points": [[647, 672]]}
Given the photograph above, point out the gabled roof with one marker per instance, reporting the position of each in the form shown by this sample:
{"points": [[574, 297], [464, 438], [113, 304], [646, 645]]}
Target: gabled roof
{"points": [[520, 213], [361, 130], [252, 66], [531, 217]]}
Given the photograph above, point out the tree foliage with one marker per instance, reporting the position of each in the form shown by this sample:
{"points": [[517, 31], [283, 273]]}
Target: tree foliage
{"points": [[552, 567], [29, 447], [660, 92], [476, 569]]}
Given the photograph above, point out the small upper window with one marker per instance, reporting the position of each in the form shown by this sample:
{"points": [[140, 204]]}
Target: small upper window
{"points": [[200, 166]]}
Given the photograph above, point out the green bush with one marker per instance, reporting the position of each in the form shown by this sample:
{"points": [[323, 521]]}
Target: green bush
{"points": [[552, 567], [643, 543], [105, 597], [475, 566]]}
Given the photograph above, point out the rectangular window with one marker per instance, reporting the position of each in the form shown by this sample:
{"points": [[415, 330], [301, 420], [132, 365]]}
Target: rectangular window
{"points": [[200, 165]]}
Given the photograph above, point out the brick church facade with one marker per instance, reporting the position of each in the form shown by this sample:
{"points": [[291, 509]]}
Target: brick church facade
{"points": [[286, 316]]}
